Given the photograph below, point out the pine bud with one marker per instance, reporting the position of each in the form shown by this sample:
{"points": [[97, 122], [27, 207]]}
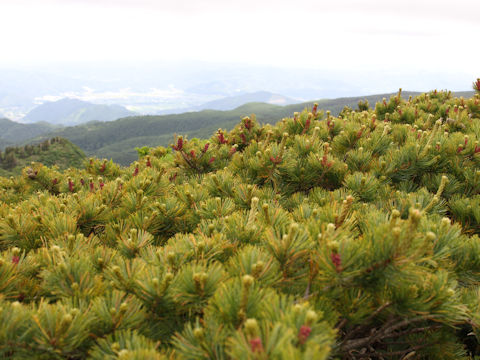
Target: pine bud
{"points": [[124, 354], [247, 281], [446, 221], [330, 228], [257, 268], [265, 213], [171, 257], [211, 228], [198, 333], [66, 321], [116, 270], [293, 231], [333, 246], [16, 305], [415, 216], [123, 308], [396, 231], [15, 251], [251, 328], [311, 317], [200, 280]]}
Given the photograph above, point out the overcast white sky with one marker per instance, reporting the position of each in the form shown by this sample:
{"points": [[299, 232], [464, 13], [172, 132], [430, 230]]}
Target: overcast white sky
{"points": [[339, 34]]}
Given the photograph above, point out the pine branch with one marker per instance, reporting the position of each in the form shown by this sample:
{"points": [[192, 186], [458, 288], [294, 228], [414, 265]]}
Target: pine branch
{"points": [[384, 332]]}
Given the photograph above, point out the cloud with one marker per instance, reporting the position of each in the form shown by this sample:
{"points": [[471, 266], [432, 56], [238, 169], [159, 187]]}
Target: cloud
{"points": [[127, 95], [302, 33], [464, 10]]}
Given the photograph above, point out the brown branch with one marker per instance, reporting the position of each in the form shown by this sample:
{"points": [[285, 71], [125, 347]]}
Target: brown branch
{"points": [[382, 333], [414, 331], [192, 165], [341, 324], [403, 352], [367, 320]]}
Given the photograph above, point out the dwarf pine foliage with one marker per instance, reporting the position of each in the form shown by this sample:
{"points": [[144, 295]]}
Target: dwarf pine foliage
{"points": [[322, 237]]}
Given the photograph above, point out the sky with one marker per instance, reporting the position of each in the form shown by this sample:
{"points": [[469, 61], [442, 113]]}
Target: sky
{"points": [[341, 34]]}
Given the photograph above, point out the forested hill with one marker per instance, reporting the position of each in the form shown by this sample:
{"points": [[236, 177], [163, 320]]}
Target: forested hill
{"points": [[12, 132], [117, 139], [55, 151]]}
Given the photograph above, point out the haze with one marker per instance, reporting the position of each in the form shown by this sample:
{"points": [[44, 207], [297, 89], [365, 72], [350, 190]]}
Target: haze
{"points": [[302, 33], [349, 47]]}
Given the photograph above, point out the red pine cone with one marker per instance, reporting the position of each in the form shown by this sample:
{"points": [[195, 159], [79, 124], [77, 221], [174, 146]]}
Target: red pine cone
{"points": [[304, 333], [337, 261], [256, 345], [70, 185], [221, 138]]}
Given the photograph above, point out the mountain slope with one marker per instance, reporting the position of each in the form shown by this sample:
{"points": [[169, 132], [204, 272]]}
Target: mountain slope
{"points": [[12, 132], [73, 112], [55, 151]]}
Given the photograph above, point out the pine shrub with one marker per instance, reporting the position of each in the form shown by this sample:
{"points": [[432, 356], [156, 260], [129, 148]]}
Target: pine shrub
{"points": [[322, 237]]}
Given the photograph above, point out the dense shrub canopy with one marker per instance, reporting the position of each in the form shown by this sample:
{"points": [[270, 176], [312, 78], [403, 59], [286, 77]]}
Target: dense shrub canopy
{"points": [[321, 237]]}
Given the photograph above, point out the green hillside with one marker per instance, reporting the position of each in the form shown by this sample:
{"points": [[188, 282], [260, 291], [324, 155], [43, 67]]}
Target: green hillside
{"points": [[56, 151], [12, 132], [317, 238], [4, 143]]}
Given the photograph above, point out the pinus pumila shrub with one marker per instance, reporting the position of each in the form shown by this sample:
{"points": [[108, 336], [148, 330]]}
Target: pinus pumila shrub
{"points": [[322, 237]]}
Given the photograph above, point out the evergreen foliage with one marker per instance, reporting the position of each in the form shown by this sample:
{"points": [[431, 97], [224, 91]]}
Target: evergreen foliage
{"points": [[320, 237]]}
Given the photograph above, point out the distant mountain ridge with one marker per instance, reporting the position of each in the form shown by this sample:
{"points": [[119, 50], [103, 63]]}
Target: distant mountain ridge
{"points": [[232, 102], [70, 112]]}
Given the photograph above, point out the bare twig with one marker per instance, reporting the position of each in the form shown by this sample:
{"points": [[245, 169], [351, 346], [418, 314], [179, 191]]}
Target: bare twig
{"points": [[341, 324], [384, 332], [367, 320], [405, 352], [414, 331]]}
